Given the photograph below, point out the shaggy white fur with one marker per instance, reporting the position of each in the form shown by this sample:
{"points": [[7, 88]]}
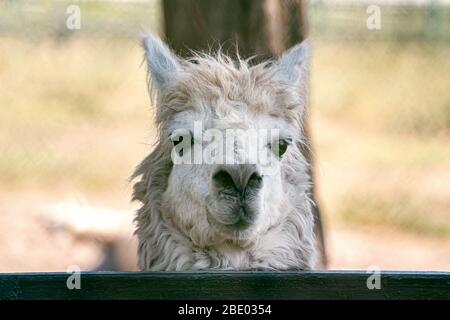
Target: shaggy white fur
{"points": [[176, 225]]}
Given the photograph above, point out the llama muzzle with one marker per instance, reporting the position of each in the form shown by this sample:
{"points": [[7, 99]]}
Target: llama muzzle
{"points": [[237, 189]]}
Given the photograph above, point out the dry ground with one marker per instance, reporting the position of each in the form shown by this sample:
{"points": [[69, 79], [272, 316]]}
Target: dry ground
{"points": [[27, 243]]}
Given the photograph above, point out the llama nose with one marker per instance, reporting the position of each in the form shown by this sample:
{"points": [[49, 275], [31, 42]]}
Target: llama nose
{"points": [[237, 179]]}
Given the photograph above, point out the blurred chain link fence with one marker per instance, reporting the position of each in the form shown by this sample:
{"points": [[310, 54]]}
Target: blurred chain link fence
{"points": [[401, 20], [121, 19]]}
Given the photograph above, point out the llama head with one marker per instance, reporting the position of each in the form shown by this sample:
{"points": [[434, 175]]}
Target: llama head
{"points": [[231, 132]]}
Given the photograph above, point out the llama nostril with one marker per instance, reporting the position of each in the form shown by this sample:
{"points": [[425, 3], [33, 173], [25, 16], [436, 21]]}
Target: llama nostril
{"points": [[255, 181], [223, 179], [239, 181]]}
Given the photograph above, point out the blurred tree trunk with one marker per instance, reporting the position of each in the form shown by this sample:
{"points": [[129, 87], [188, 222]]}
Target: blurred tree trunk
{"points": [[263, 27], [255, 27]]}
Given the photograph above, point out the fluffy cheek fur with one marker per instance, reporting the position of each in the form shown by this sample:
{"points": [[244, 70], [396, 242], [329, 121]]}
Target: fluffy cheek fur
{"points": [[274, 199], [183, 203]]}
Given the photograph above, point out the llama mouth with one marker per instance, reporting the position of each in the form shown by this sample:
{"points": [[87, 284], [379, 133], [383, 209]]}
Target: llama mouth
{"points": [[241, 229], [241, 224]]}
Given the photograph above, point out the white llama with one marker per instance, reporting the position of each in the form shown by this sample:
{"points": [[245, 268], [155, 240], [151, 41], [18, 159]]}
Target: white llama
{"points": [[226, 216]]}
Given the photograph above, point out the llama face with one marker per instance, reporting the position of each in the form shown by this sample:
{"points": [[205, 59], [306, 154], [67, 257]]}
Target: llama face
{"points": [[230, 129], [236, 193]]}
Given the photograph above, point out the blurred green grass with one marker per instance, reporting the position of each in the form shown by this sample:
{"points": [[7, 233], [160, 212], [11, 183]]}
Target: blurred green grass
{"points": [[74, 115], [400, 88], [380, 118], [399, 208]]}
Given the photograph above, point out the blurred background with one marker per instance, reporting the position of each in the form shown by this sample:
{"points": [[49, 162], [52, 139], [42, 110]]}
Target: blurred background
{"points": [[76, 119]]}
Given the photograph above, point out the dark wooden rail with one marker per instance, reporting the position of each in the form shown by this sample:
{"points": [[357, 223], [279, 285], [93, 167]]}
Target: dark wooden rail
{"points": [[227, 285]]}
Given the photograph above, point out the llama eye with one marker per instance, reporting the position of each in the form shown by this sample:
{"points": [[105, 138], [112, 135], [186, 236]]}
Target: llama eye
{"points": [[180, 147], [177, 139], [280, 147]]}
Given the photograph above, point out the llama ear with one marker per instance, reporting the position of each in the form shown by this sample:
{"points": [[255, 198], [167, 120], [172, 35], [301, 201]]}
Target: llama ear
{"points": [[293, 65], [163, 64]]}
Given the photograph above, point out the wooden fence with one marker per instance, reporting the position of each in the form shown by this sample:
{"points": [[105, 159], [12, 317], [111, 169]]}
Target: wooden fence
{"points": [[226, 285]]}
